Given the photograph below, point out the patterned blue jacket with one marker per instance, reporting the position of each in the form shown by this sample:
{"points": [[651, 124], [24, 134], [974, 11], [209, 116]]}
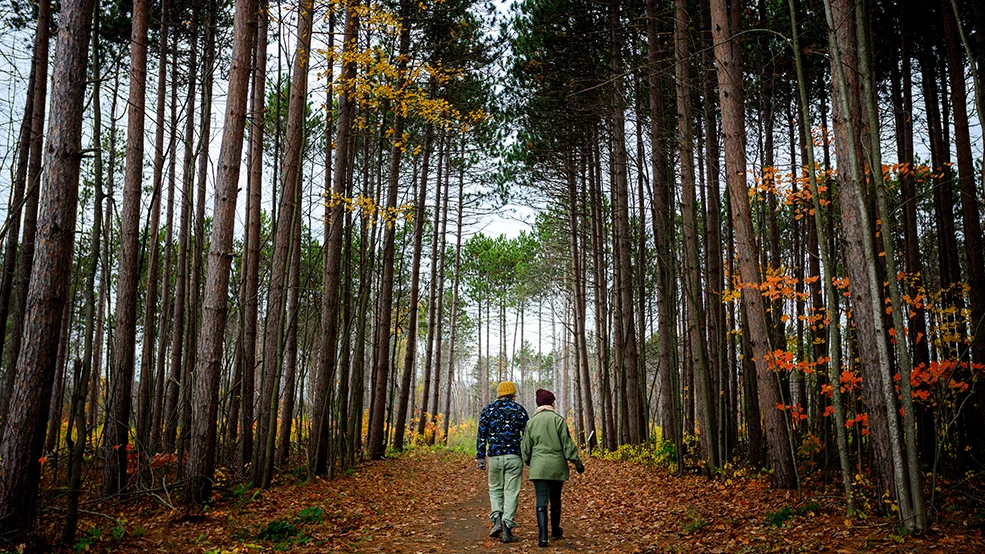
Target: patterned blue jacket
{"points": [[501, 427]]}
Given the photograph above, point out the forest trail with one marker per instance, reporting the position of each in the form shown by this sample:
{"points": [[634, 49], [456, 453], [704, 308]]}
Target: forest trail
{"points": [[435, 501]]}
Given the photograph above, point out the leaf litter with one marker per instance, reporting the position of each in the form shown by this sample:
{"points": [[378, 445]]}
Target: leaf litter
{"points": [[433, 501]]}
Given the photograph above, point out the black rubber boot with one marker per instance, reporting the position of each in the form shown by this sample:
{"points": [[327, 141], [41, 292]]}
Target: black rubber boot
{"points": [[542, 525], [508, 535], [497, 527], [556, 531]]}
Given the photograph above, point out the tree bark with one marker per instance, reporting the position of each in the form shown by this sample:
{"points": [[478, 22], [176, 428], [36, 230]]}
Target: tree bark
{"points": [[147, 382], [637, 429], [415, 266], [202, 443], [290, 180], [729, 62], [970, 219], [25, 258], [376, 446], [696, 323], [181, 285], [23, 436], [116, 445], [12, 225], [255, 176]]}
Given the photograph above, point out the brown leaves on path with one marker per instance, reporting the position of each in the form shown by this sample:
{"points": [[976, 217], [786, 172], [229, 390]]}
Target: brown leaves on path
{"points": [[436, 501]]}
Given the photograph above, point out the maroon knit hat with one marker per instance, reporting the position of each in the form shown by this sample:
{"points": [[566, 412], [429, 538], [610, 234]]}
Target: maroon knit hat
{"points": [[544, 397]]}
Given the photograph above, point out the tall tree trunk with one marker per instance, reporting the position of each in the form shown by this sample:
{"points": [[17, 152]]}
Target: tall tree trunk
{"points": [[831, 295], [860, 259], [291, 348], [578, 298], [637, 425], [255, 176], [147, 383], [23, 436], [887, 230], [181, 285], [376, 445], [454, 297], [290, 180], [25, 258], [116, 445], [696, 323], [729, 62], [160, 388], [202, 442], [433, 292], [415, 267], [77, 415], [344, 153], [198, 252], [12, 225], [440, 310], [970, 217], [661, 210]]}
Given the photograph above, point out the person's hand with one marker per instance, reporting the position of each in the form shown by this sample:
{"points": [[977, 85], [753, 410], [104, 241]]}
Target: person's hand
{"points": [[580, 468], [481, 464]]}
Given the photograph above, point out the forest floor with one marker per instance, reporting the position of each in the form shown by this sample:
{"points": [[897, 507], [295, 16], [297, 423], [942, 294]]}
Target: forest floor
{"points": [[436, 501]]}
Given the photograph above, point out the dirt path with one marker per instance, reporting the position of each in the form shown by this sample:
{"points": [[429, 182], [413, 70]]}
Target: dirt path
{"points": [[436, 502], [462, 525]]}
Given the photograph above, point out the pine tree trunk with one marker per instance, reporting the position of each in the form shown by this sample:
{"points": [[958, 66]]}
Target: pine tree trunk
{"points": [[291, 347], [411, 353], [23, 436], [877, 387], [161, 386], [729, 62], [195, 309], [454, 298], [440, 310], [376, 446], [147, 383], [637, 430], [255, 177], [834, 329], [116, 445], [12, 225], [290, 180], [24, 266], [696, 324], [321, 460], [970, 219], [202, 442], [78, 410], [181, 285], [578, 298], [432, 295]]}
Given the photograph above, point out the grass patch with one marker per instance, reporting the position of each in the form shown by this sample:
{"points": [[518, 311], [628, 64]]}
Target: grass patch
{"points": [[780, 517], [313, 514], [693, 522], [278, 530]]}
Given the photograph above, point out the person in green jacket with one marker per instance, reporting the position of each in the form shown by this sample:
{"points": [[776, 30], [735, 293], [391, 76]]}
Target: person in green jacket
{"points": [[547, 448]]}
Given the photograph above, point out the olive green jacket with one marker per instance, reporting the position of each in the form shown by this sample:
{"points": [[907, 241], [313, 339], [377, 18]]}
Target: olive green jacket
{"points": [[547, 446]]}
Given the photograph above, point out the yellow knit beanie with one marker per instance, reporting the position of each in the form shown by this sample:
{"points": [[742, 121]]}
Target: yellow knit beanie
{"points": [[506, 388]]}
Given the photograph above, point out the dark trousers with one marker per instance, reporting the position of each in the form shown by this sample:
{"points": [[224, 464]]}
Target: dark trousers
{"points": [[550, 491]]}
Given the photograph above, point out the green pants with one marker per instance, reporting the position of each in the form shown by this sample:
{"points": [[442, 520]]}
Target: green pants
{"points": [[505, 475]]}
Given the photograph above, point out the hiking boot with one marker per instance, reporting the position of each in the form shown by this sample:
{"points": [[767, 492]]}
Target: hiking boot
{"points": [[508, 535], [497, 527], [542, 526], [556, 531]]}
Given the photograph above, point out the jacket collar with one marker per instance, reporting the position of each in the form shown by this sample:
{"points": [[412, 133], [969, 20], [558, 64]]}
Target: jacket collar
{"points": [[539, 409]]}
